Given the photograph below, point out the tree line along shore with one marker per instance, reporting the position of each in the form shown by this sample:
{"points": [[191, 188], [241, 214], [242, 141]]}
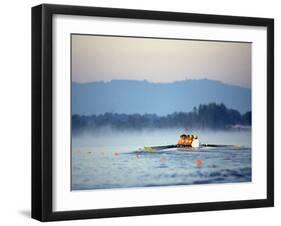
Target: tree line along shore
{"points": [[205, 116]]}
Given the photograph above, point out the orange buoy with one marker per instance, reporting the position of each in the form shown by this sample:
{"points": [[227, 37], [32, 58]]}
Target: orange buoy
{"points": [[198, 162]]}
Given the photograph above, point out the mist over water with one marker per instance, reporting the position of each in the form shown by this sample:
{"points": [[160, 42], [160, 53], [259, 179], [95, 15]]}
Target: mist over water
{"points": [[111, 159]]}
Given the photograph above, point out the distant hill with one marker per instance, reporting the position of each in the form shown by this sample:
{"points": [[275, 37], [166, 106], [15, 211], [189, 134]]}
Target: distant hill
{"points": [[130, 96]]}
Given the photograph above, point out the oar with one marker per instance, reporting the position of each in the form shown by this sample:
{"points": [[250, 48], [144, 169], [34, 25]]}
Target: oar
{"points": [[220, 146], [157, 148]]}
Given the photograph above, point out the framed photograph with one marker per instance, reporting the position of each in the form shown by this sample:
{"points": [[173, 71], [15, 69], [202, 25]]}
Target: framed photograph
{"points": [[140, 112]]}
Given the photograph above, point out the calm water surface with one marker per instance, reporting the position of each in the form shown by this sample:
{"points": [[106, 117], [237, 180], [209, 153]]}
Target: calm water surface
{"points": [[117, 160]]}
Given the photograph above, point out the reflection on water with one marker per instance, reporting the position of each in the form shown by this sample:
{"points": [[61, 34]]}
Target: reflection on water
{"points": [[116, 160]]}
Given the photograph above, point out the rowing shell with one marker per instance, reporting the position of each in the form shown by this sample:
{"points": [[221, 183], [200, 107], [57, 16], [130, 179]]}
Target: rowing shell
{"points": [[153, 149]]}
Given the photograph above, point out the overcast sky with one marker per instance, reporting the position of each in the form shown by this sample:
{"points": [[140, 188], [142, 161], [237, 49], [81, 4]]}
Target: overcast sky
{"points": [[104, 58]]}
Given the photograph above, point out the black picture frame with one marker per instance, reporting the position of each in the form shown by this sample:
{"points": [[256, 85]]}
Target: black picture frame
{"points": [[42, 107]]}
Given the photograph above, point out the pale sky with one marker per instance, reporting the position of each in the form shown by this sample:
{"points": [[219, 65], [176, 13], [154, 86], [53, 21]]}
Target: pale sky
{"points": [[104, 58]]}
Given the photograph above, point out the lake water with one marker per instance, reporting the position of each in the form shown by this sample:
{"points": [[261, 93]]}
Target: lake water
{"points": [[117, 160]]}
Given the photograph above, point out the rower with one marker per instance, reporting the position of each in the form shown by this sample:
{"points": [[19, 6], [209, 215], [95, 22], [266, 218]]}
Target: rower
{"points": [[182, 140], [191, 139], [195, 143], [188, 140]]}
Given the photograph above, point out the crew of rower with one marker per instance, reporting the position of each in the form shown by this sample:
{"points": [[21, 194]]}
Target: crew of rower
{"points": [[188, 141]]}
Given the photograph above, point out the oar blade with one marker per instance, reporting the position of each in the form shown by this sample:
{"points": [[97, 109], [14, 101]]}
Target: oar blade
{"points": [[149, 149], [157, 148]]}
